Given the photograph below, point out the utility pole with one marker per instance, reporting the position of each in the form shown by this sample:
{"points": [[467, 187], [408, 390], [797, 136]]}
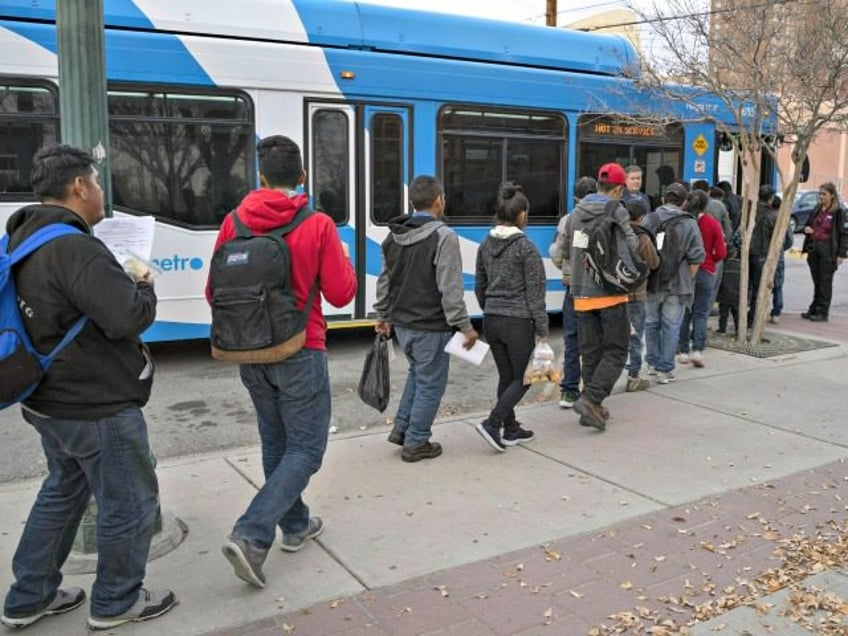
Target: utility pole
{"points": [[551, 13], [82, 84]]}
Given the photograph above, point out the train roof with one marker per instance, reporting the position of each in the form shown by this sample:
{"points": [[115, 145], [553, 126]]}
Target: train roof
{"points": [[360, 25]]}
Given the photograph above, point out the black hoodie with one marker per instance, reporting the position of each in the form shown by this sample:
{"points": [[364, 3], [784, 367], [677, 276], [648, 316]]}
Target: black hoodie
{"points": [[96, 375]]}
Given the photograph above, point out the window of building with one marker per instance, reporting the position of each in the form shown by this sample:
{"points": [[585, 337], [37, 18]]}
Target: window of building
{"points": [[483, 147], [185, 157], [387, 200], [29, 120], [330, 179]]}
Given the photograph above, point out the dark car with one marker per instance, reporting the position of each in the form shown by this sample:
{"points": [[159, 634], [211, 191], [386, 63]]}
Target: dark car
{"points": [[805, 201]]}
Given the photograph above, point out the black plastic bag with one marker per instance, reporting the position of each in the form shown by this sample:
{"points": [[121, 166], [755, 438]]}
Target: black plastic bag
{"points": [[374, 382]]}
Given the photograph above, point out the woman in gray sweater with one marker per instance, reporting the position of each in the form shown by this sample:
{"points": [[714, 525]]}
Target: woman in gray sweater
{"points": [[510, 287]]}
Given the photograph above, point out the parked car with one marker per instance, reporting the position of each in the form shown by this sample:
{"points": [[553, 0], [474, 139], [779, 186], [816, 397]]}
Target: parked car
{"points": [[805, 201]]}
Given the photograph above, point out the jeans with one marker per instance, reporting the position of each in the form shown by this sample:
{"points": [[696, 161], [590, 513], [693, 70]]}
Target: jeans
{"points": [[822, 268], [663, 315], [636, 315], [718, 274], [604, 338], [571, 356], [694, 322], [512, 341], [777, 290], [425, 383], [292, 402], [755, 274], [109, 458]]}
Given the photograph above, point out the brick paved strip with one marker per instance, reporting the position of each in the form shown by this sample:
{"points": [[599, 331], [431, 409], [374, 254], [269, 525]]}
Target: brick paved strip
{"points": [[661, 565]]}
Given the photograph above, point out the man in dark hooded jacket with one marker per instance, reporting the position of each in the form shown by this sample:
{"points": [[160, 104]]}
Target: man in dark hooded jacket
{"points": [[88, 407]]}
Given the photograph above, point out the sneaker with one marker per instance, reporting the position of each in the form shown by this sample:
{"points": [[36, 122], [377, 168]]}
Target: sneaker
{"points": [[774, 320], [567, 399], [664, 377], [294, 542], [492, 434], [593, 413], [697, 359], [424, 450], [651, 370], [517, 435], [246, 560], [64, 601], [637, 384], [817, 318], [683, 358], [150, 604], [396, 437]]}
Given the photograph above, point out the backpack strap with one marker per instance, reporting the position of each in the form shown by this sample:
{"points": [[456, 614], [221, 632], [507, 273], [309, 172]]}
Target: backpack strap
{"points": [[242, 231], [278, 233]]}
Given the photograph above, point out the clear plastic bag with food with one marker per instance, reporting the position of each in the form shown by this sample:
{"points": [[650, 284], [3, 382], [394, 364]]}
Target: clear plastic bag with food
{"points": [[543, 366]]}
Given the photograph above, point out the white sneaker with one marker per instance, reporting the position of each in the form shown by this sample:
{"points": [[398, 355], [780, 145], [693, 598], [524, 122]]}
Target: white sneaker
{"points": [[683, 358], [664, 378], [651, 370], [697, 359]]}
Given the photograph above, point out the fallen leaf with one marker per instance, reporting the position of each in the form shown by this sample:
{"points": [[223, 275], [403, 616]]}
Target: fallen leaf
{"points": [[575, 594]]}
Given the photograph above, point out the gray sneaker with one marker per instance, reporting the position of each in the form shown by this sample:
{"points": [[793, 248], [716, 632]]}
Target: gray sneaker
{"points": [[294, 542], [150, 604], [64, 601], [246, 560]]}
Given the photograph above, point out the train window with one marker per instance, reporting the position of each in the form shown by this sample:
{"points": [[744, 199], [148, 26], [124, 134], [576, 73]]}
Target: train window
{"points": [[331, 163], [483, 147], [387, 200], [29, 120], [184, 157]]}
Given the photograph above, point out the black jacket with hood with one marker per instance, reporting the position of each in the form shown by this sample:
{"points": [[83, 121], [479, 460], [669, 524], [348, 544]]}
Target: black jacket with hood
{"points": [[98, 373]]}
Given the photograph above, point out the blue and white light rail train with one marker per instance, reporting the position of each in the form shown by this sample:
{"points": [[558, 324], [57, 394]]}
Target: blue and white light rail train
{"points": [[374, 95]]}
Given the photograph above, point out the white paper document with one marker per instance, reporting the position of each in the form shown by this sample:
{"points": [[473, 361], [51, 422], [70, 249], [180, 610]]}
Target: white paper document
{"points": [[127, 236], [475, 355]]}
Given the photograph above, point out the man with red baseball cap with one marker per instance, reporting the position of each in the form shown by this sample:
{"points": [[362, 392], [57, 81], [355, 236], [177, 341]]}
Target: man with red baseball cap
{"points": [[603, 328]]}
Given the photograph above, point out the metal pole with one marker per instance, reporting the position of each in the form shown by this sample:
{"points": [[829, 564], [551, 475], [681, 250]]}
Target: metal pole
{"points": [[82, 84], [551, 13]]}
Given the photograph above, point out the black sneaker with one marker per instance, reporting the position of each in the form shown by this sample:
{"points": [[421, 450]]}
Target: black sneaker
{"points": [[64, 601], [396, 437], [424, 450], [246, 560], [492, 434], [150, 604], [517, 435]]}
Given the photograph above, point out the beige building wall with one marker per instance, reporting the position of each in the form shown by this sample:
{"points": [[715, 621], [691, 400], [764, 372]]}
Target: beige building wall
{"points": [[828, 156]]}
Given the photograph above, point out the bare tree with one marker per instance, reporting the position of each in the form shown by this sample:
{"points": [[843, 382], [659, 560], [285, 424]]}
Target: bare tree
{"points": [[779, 67]]}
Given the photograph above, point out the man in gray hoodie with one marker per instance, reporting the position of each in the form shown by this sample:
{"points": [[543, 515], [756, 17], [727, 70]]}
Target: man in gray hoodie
{"points": [[420, 292], [603, 328]]}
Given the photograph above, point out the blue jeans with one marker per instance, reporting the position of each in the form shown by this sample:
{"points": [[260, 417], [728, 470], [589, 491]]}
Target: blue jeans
{"points": [[571, 356], [636, 314], [694, 323], [663, 315], [292, 402], [425, 383], [109, 458], [777, 290]]}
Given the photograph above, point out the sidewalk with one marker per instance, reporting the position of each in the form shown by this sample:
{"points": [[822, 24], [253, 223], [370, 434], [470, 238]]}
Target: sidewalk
{"points": [[674, 512]]}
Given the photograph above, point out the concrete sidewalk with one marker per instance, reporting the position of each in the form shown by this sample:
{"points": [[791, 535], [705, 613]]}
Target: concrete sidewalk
{"points": [[692, 486]]}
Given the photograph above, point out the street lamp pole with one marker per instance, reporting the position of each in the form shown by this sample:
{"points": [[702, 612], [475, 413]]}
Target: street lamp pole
{"points": [[551, 13]]}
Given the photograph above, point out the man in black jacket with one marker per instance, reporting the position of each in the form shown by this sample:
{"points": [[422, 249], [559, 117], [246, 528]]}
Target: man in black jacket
{"points": [[88, 407]]}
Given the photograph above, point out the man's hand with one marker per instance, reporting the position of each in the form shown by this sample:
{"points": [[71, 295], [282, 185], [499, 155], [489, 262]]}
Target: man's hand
{"points": [[808, 230], [471, 337], [383, 328]]}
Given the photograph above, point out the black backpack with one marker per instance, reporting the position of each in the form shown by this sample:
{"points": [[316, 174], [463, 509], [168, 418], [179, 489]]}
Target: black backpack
{"points": [[255, 318], [672, 252], [614, 266]]}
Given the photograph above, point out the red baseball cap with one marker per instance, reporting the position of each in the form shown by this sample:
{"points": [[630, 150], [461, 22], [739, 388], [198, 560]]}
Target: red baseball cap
{"points": [[612, 174]]}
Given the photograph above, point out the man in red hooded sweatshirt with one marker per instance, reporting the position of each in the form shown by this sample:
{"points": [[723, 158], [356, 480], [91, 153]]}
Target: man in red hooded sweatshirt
{"points": [[292, 397]]}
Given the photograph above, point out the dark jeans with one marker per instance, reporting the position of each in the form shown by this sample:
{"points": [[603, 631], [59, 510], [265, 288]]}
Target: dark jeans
{"points": [[636, 315], [822, 268], [755, 275], [512, 341], [571, 356], [425, 383], [777, 290], [292, 402], [109, 458], [604, 339], [694, 323], [724, 311]]}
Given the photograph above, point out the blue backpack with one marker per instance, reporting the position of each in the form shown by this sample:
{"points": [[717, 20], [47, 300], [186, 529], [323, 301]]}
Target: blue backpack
{"points": [[21, 367]]}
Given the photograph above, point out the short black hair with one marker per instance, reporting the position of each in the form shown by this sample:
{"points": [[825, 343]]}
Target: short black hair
{"points": [[279, 161], [511, 203], [776, 201], [584, 186], [716, 193], [54, 169], [696, 202], [766, 193], [700, 184], [636, 208], [424, 190]]}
